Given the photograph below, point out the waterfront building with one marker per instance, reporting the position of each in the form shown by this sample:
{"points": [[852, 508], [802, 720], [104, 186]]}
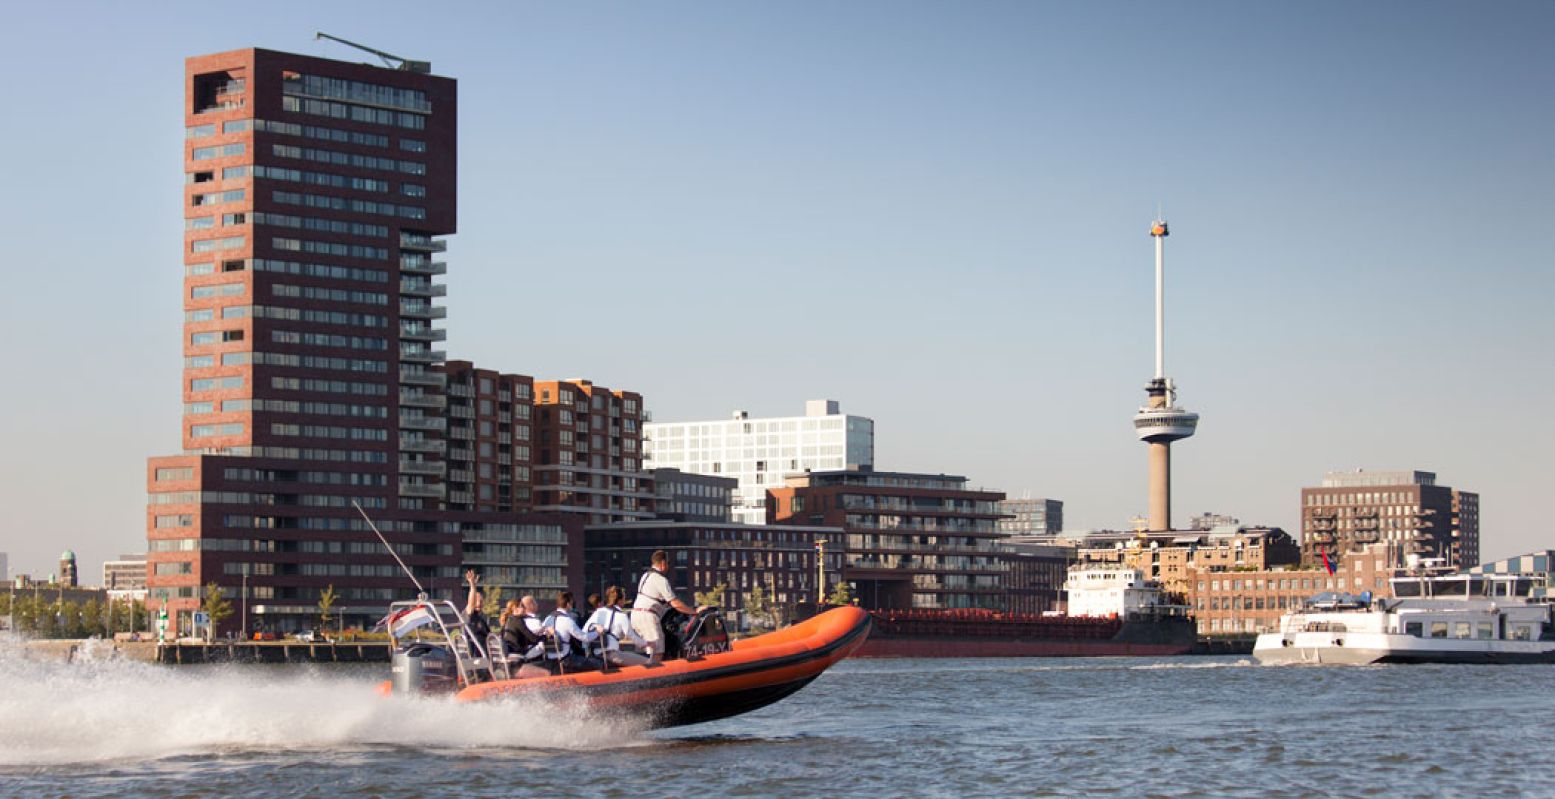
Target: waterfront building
{"points": [[1171, 557], [779, 561], [590, 452], [316, 196], [911, 540], [1032, 516], [760, 453], [1351, 509], [683, 496], [1034, 575], [1249, 601], [125, 577], [5, 568], [490, 455]]}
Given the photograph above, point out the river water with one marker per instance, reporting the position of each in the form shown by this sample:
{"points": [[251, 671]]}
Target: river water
{"points": [[1131, 727]]}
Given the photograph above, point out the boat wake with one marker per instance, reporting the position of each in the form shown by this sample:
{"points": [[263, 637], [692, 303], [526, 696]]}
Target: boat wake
{"points": [[100, 709]]}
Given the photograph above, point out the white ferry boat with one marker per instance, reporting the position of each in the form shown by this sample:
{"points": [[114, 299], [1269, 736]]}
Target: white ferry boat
{"points": [[1461, 618]]}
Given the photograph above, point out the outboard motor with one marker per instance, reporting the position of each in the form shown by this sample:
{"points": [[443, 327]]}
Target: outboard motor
{"points": [[420, 668]]}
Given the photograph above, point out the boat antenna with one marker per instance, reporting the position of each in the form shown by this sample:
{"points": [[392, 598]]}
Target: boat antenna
{"points": [[408, 573]]}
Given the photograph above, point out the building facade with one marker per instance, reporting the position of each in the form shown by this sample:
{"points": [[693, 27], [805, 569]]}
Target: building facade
{"points": [[125, 577], [1247, 602], [1032, 516], [761, 453], [780, 562], [1352, 509], [910, 540], [590, 452], [1172, 558], [316, 196], [686, 497]]}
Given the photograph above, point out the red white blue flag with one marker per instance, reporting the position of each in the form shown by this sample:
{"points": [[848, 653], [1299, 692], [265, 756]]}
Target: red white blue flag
{"points": [[403, 621], [1328, 564]]}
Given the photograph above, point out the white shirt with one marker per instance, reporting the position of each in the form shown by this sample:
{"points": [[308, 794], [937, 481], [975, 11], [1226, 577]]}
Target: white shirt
{"points": [[566, 632], [614, 624], [653, 593]]}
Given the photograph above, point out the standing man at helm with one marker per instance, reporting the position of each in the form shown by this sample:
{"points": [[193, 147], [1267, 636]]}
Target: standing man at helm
{"points": [[654, 597]]}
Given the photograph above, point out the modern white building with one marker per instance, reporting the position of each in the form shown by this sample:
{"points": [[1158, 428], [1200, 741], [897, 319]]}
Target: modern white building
{"points": [[759, 453]]}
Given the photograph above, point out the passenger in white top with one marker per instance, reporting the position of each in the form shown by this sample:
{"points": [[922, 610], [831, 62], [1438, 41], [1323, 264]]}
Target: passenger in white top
{"points": [[609, 625], [568, 639], [654, 597]]}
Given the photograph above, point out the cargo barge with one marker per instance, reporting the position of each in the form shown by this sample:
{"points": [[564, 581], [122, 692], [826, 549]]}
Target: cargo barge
{"points": [[985, 633]]}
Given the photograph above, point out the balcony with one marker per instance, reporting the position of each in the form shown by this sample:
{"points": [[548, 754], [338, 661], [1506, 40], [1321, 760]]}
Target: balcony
{"points": [[434, 423], [432, 468], [422, 288], [422, 266], [461, 412], [422, 356], [429, 491], [426, 445], [421, 399], [423, 378], [461, 390], [421, 309], [415, 242], [422, 332]]}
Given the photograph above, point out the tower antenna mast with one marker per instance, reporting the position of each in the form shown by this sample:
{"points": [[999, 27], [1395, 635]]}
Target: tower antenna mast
{"points": [[389, 59]]}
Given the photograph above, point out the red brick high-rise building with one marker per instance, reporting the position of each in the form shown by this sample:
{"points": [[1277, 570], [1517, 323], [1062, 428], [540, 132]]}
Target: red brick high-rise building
{"points": [[315, 194]]}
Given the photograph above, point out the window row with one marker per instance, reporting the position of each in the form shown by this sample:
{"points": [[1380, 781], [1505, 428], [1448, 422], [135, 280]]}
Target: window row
{"points": [[329, 431], [329, 340], [322, 133], [329, 386], [321, 362], [330, 295], [355, 113], [321, 225], [356, 160], [344, 204], [321, 179], [329, 248]]}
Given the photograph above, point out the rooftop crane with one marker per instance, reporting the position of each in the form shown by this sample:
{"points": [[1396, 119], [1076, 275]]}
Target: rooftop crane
{"points": [[389, 59]]}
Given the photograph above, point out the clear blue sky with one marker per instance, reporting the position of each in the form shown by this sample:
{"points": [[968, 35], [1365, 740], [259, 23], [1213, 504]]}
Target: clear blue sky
{"points": [[936, 213]]}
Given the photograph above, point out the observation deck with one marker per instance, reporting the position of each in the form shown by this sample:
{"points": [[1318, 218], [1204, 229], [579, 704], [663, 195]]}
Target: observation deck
{"points": [[1160, 425]]}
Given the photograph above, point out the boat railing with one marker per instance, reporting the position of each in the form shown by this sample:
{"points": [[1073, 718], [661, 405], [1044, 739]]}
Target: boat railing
{"points": [[451, 626]]}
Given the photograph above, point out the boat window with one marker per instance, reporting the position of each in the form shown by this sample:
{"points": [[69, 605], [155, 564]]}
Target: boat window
{"points": [[1462, 629], [1438, 629], [1412, 628], [1485, 630], [1521, 633]]}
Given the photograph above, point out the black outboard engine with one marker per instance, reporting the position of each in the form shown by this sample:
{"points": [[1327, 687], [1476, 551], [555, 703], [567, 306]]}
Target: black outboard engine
{"points": [[691, 637], [420, 668]]}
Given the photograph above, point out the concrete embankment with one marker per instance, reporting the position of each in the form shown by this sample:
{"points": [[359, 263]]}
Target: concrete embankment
{"points": [[220, 652]]}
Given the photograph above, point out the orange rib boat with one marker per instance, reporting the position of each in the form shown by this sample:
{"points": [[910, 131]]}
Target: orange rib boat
{"points": [[752, 673]]}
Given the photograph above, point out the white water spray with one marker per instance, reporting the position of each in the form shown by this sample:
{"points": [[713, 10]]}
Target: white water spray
{"points": [[98, 710]]}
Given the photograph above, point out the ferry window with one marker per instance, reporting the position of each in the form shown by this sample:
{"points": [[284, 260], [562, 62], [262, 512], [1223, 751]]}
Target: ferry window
{"points": [[1485, 630], [1438, 629], [1412, 628], [1461, 629], [1520, 633]]}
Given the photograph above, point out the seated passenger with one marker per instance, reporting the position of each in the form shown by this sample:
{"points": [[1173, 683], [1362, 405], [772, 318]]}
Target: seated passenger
{"points": [[522, 638], [567, 650], [609, 625]]}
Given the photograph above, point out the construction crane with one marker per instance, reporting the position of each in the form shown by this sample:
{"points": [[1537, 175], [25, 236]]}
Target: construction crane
{"points": [[389, 59]]}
